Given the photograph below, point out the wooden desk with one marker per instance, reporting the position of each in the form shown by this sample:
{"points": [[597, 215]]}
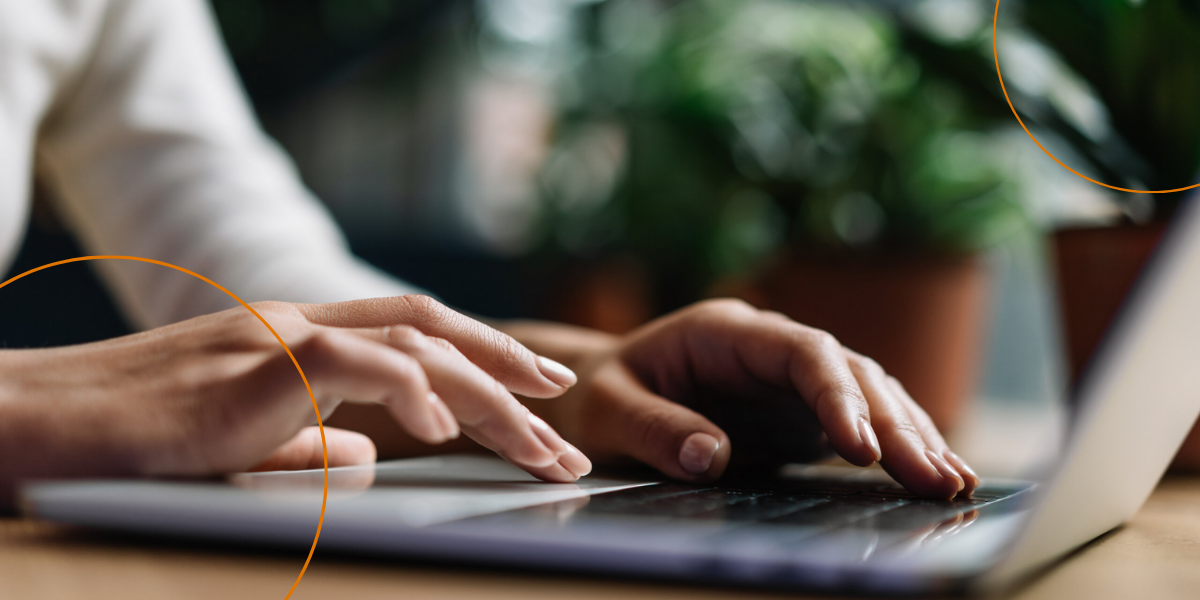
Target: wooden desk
{"points": [[1156, 556]]}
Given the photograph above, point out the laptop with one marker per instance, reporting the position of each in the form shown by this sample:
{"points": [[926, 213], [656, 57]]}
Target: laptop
{"points": [[810, 527]]}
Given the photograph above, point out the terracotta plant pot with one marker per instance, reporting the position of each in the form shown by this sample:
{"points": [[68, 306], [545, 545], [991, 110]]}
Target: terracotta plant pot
{"points": [[922, 319], [1096, 268]]}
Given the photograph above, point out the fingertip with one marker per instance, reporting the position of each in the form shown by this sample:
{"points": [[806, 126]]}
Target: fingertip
{"points": [[970, 479], [431, 424], [350, 448], [446, 421], [949, 476], [556, 372], [575, 461], [551, 379], [342, 448], [856, 442], [553, 473]]}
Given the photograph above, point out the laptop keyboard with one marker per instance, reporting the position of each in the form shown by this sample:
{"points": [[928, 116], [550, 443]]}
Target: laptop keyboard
{"points": [[808, 519], [824, 504]]}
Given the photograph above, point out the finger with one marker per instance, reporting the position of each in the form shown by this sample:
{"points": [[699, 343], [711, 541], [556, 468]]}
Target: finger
{"points": [[934, 439], [572, 464], [487, 412], [342, 364], [631, 421], [303, 451], [445, 417], [790, 356], [499, 355], [906, 457]]}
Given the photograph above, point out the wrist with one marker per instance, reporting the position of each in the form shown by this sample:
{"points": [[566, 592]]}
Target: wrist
{"points": [[48, 431]]}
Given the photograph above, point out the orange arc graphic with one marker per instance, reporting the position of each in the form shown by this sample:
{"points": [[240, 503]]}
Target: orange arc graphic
{"points": [[324, 450], [996, 55]]}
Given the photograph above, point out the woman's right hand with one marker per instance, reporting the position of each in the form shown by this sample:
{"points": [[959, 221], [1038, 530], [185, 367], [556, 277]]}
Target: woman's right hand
{"points": [[218, 394]]}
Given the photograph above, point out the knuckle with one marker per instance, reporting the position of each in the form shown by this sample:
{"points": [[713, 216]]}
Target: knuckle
{"points": [[410, 373], [652, 428], [776, 315], [905, 426], [502, 411], [446, 347], [423, 308], [504, 400], [823, 341], [908, 430], [872, 368], [838, 394], [441, 344], [404, 336], [276, 307], [724, 306], [484, 421], [319, 342], [242, 320], [281, 316], [507, 352]]}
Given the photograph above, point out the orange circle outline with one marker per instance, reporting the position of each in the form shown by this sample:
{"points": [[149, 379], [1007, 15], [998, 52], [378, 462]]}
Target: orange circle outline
{"points": [[324, 450], [996, 55]]}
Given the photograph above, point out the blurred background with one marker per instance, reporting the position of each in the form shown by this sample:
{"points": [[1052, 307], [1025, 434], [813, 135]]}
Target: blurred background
{"points": [[850, 163]]}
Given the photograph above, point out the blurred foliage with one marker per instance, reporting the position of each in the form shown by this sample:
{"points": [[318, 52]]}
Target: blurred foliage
{"points": [[705, 136], [1142, 57]]}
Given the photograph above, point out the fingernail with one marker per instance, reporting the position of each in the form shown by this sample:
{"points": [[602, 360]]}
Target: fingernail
{"points": [[697, 452], [943, 468], [867, 436], [556, 372], [963, 468], [575, 461]]}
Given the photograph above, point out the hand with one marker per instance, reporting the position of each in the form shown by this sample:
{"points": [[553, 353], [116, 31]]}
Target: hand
{"points": [[783, 390], [218, 394]]}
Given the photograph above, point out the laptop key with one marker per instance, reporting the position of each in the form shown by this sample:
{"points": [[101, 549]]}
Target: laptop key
{"points": [[841, 511], [632, 501], [707, 503], [763, 507], [913, 515]]}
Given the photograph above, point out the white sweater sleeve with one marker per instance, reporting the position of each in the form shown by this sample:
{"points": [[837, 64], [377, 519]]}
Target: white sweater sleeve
{"points": [[153, 152]]}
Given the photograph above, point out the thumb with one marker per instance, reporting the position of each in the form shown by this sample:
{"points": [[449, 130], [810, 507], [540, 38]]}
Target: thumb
{"points": [[633, 421], [303, 451]]}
